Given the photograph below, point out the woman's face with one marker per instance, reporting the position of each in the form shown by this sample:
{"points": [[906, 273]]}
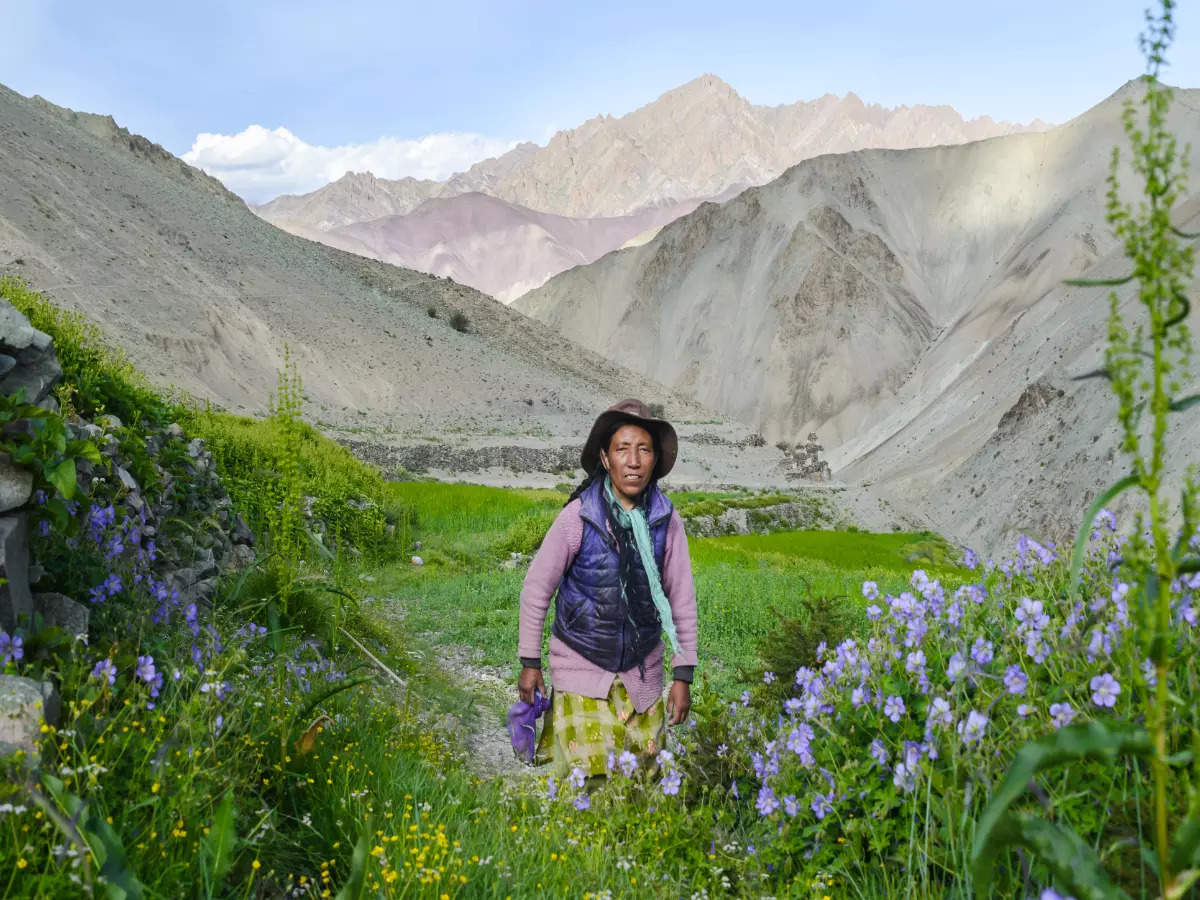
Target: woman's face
{"points": [[629, 460]]}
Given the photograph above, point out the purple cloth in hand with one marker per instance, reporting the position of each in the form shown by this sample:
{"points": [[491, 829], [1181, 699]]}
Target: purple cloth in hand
{"points": [[522, 725]]}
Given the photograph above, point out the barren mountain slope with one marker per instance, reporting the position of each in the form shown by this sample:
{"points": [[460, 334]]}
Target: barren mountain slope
{"points": [[496, 247], [205, 295], [865, 296]]}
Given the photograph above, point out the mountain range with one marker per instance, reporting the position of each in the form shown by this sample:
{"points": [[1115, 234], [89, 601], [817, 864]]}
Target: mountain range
{"points": [[701, 141], [906, 305]]}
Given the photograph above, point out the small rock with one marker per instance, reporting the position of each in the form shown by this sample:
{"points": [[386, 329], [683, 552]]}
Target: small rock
{"points": [[127, 480], [175, 430], [417, 561], [200, 593], [7, 364], [16, 484], [108, 421], [61, 611], [241, 532], [240, 556], [195, 447], [417, 545], [24, 705], [205, 564]]}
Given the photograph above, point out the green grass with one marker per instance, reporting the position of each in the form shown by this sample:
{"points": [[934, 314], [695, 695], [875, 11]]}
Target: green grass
{"points": [[461, 522], [846, 550], [462, 596]]}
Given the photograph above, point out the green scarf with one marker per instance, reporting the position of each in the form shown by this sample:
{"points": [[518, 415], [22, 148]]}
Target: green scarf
{"points": [[634, 521]]}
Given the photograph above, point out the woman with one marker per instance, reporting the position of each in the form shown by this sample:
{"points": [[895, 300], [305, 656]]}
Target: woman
{"points": [[617, 556]]}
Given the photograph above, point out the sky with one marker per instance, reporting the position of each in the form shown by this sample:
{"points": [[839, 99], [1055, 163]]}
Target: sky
{"points": [[283, 97]]}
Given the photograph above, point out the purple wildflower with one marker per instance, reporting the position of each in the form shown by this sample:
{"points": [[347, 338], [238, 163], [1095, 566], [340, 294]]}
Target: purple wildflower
{"points": [[1015, 680], [671, 782], [893, 708], [879, 752], [1149, 672], [1104, 690], [628, 763], [973, 727], [791, 805], [105, 670], [982, 651], [822, 805], [956, 667], [1061, 714], [1024, 710], [766, 803], [11, 648], [582, 802], [940, 712], [145, 668], [577, 778]]}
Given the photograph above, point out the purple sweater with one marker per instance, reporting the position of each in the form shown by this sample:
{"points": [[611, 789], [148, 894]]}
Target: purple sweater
{"points": [[570, 671]]}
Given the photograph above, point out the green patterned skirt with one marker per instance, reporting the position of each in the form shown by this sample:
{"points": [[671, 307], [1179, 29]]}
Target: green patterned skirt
{"points": [[582, 731]]}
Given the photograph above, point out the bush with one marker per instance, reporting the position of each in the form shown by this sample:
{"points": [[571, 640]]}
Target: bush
{"points": [[346, 495], [459, 321]]}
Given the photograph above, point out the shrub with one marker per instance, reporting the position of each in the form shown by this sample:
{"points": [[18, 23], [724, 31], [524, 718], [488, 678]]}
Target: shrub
{"points": [[431, 311], [459, 321]]}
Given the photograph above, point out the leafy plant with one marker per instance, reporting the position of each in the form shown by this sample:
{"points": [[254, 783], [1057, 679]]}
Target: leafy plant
{"points": [[36, 439], [1146, 364]]}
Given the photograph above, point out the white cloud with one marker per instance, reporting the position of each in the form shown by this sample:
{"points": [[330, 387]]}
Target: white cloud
{"points": [[259, 164]]}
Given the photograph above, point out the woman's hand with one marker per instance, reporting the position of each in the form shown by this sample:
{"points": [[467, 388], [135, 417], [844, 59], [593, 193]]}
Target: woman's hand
{"points": [[679, 701], [528, 681]]}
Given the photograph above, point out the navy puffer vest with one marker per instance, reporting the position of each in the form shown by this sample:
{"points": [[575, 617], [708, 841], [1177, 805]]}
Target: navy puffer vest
{"points": [[589, 613]]}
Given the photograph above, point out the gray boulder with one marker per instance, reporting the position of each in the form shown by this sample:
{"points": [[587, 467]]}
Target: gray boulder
{"points": [[24, 705], [16, 484], [61, 611], [16, 603], [36, 370], [241, 532]]}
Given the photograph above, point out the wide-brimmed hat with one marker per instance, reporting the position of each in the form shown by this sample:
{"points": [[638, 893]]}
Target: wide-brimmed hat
{"points": [[631, 412]]}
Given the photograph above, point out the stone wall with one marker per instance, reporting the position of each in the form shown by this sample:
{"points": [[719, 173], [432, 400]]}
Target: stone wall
{"points": [[190, 562], [28, 364]]}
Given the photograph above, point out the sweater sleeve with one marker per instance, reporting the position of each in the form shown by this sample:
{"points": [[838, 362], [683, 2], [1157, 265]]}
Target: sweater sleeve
{"points": [[559, 549], [681, 593]]}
